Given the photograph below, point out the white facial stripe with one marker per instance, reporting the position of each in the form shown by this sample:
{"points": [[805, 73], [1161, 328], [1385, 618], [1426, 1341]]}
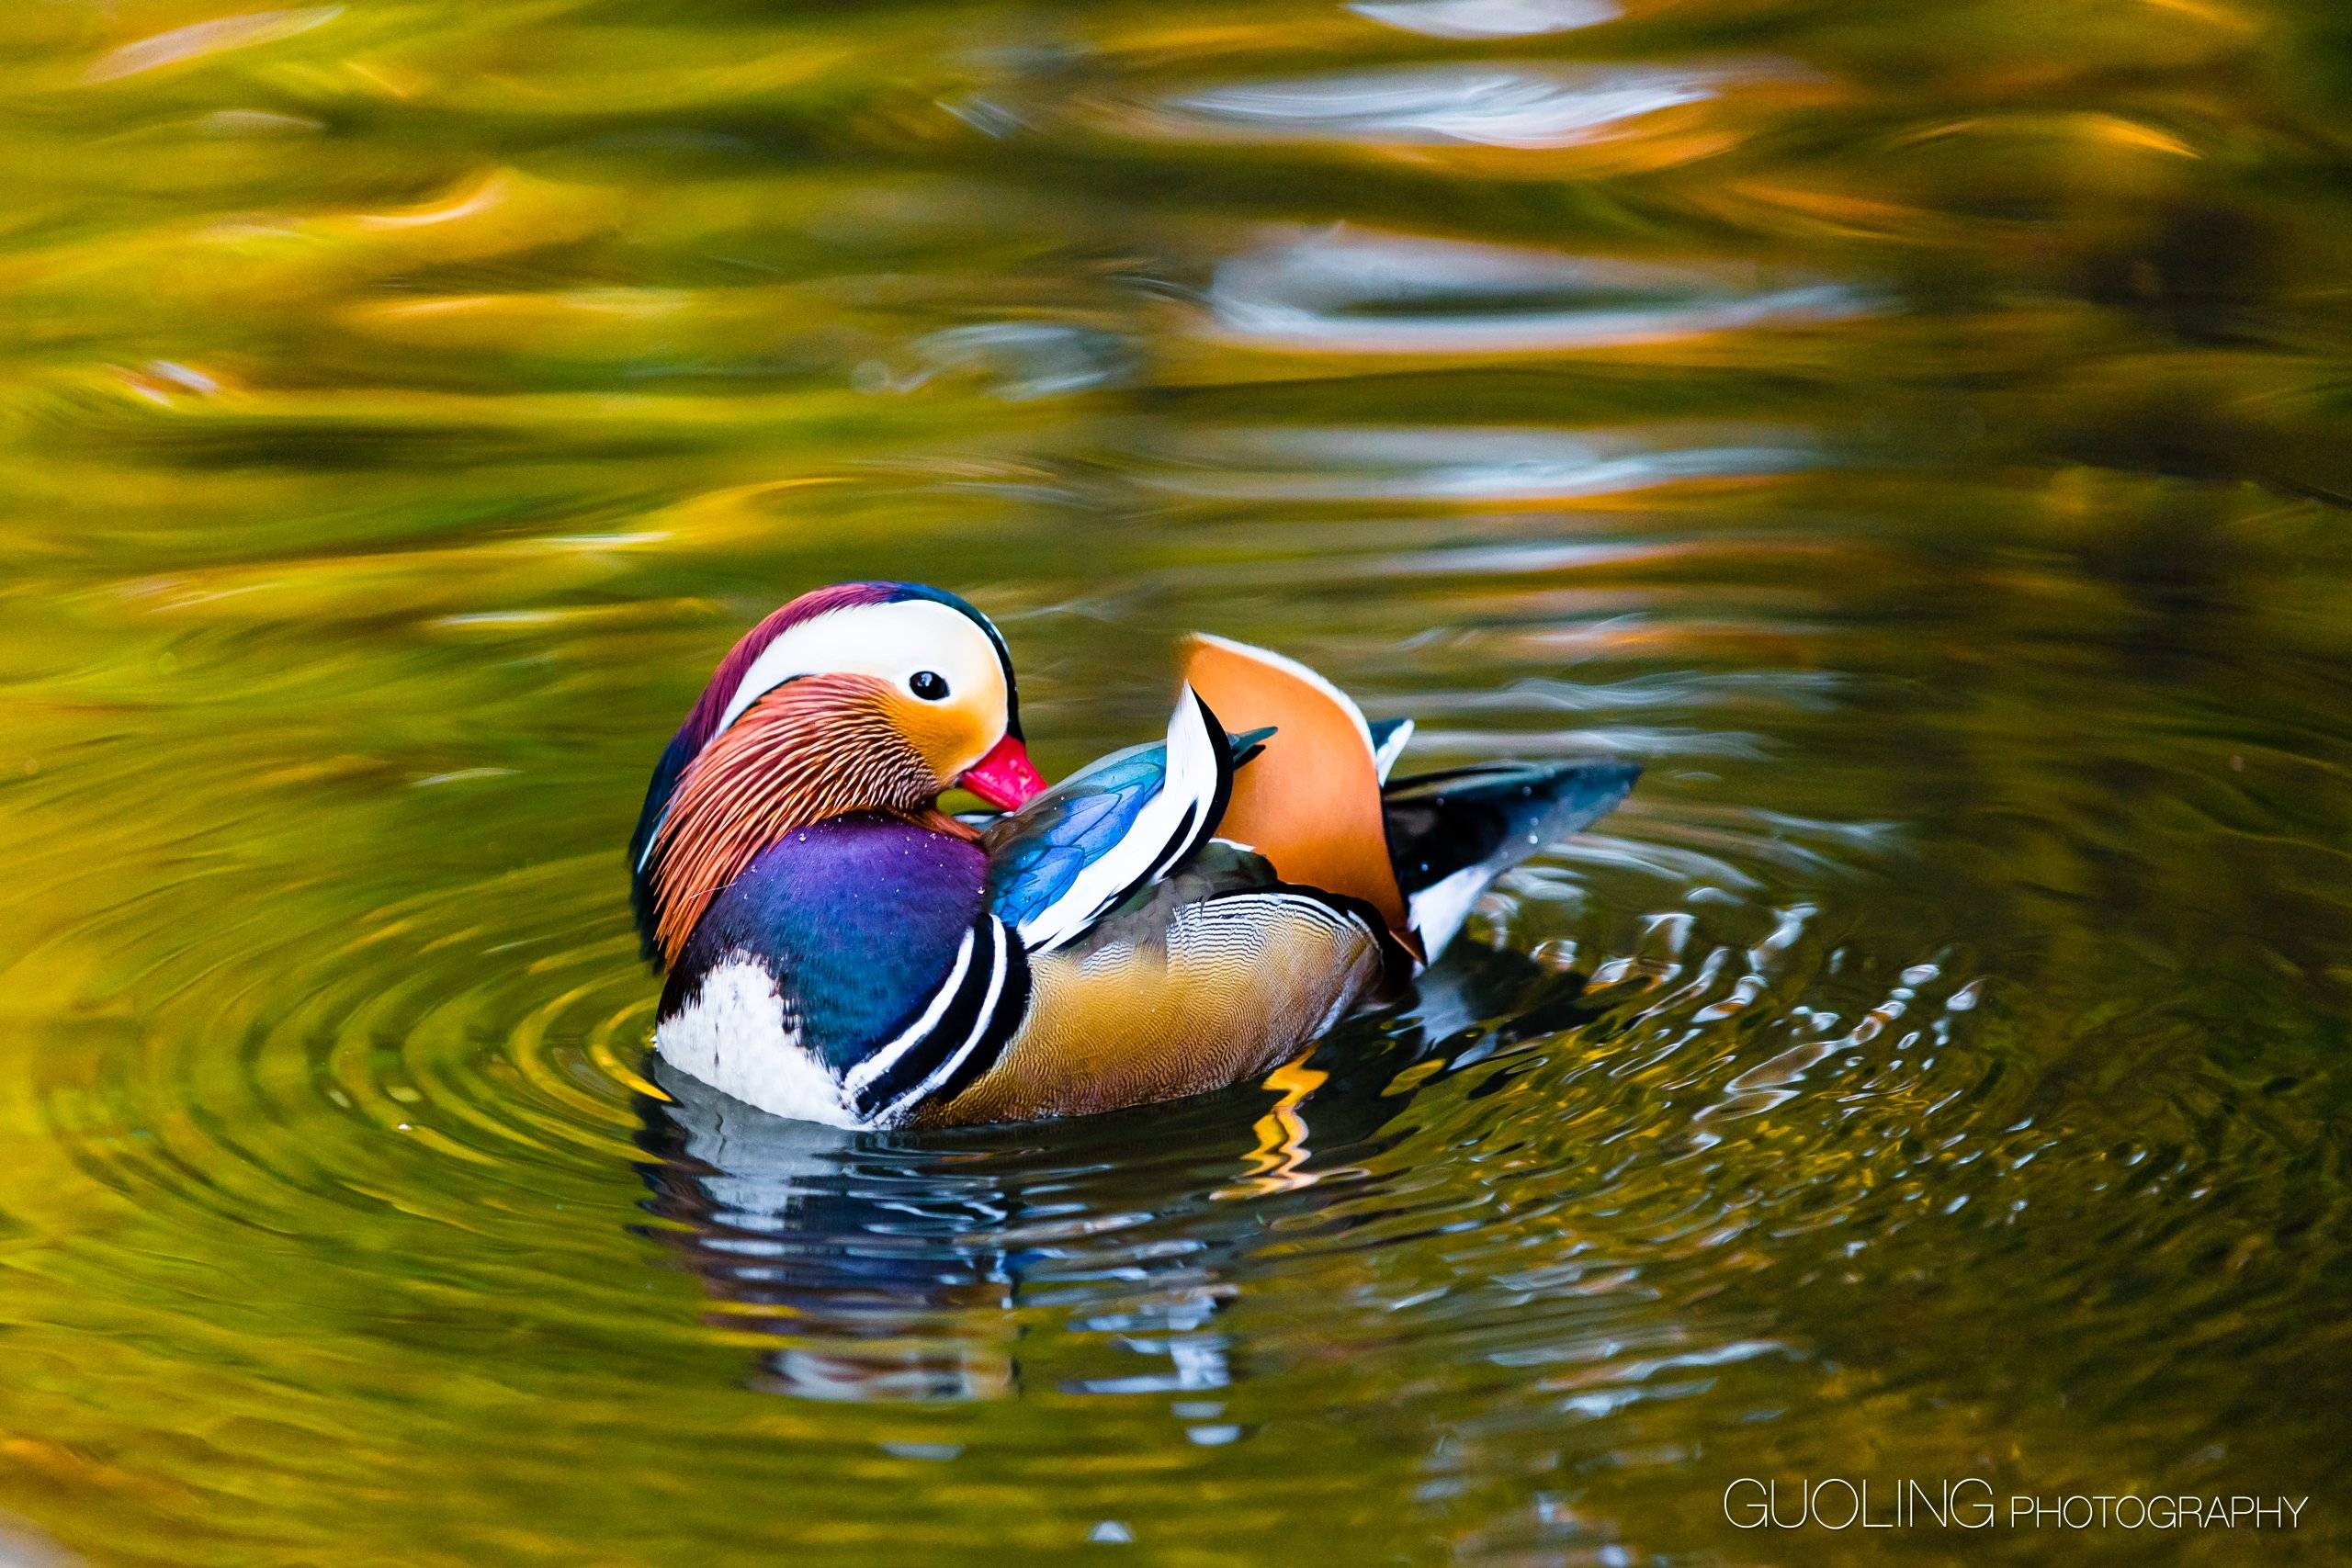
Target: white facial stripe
{"points": [[890, 641]]}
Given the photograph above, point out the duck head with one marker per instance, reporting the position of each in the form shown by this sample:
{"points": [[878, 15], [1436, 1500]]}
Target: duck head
{"points": [[865, 696]]}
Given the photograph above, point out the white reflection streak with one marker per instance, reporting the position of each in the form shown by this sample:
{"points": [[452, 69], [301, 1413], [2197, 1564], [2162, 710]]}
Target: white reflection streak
{"points": [[1487, 18], [1388, 294], [200, 39], [1488, 105], [1442, 464]]}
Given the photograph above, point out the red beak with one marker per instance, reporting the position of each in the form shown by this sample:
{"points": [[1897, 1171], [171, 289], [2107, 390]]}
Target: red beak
{"points": [[1004, 778]]}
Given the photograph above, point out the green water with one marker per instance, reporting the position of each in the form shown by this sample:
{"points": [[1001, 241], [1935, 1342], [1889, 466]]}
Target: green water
{"points": [[1919, 432]]}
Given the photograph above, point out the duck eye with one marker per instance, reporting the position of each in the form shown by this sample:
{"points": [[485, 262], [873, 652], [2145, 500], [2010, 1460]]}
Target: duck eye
{"points": [[928, 685]]}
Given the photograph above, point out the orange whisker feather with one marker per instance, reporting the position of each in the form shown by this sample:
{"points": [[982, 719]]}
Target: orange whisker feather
{"points": [[813, 749]]}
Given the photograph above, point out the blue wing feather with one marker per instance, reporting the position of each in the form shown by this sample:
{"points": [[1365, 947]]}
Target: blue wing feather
{"points": [[1036, 854]]}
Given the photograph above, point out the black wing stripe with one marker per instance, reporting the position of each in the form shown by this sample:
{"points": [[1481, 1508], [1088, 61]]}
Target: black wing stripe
{"points": [[1003, 1021], [989, 1008], [1198, 824], [926, 1055], [1179, 843]]}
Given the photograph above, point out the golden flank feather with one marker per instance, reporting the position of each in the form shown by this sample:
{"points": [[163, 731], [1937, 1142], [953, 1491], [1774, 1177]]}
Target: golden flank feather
{"points": [[1310, 803], [1235, 986]]}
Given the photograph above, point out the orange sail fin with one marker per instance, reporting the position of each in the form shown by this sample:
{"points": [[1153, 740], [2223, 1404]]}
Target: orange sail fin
{"points": [[1310, 804]]}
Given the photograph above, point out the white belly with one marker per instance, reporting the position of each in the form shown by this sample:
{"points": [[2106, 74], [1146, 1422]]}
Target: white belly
{"points": [[736, 1035]]}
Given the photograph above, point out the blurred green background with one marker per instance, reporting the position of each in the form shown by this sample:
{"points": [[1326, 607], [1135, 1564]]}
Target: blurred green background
{"points": [[1918, 432]]}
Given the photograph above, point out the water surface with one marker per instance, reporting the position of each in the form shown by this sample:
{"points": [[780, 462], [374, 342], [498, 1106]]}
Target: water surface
{"points": [[1916, 433]]}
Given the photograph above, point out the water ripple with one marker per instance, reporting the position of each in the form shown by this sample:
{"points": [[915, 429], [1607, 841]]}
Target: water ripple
{"points": [[1354, 293], [1487, 18], [1520, 107], [1907, 432], [1468, 465]]}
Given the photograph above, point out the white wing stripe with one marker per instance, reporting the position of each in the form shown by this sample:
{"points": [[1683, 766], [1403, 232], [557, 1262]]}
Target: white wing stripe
{"points": [[874, 1066], [999, 965], [1163, 832]]}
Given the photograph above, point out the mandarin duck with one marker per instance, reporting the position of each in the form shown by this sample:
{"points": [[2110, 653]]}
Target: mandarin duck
{"points": [[1174, 918]]}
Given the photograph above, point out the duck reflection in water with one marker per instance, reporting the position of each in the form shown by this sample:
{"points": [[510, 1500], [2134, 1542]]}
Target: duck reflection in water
{"points": [[884, 1270], [1093, 1256]]}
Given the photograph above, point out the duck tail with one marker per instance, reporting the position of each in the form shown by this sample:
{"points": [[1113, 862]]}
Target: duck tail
{"points": [[1451, 833]]}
